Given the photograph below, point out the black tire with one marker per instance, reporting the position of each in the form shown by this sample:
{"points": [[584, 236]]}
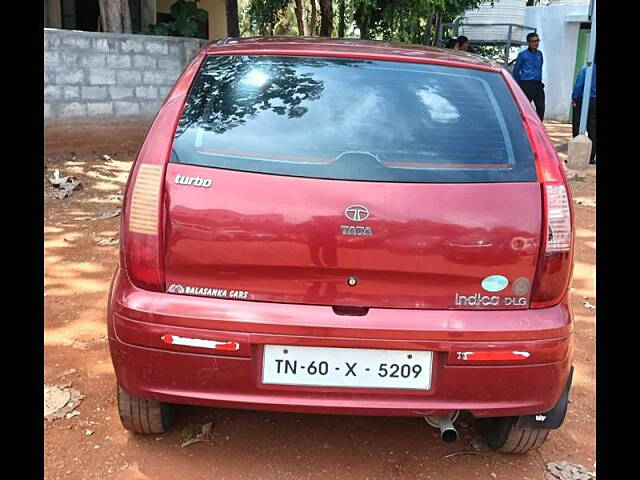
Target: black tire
{"points": [[141, 415], [521, 440], [503, 436]]}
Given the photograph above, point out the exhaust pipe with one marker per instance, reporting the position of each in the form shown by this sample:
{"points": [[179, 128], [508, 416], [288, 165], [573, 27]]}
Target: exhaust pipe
{"points": [[448, 432]]}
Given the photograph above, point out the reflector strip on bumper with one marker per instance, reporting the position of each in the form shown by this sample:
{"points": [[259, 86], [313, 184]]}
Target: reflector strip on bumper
{"points": [[198, 342], [492, 355], [510, 353]]}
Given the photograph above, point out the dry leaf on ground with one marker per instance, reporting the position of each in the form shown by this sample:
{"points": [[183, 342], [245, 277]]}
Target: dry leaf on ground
{"points": [[190, 435], [568, 471], [60, 400], [103, 215], [66, 184], [104, 240]]}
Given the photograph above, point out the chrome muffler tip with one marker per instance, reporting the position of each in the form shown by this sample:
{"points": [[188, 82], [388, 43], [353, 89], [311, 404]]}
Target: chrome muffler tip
{"points": [[448, 432]]}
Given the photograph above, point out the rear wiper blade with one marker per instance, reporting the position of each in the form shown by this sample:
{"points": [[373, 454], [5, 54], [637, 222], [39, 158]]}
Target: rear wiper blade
{"points": [[358, 163], [358, 153]]}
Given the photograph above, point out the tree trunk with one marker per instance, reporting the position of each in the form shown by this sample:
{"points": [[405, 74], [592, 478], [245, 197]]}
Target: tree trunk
{"points": [[436, 30], [326, 18], [126, 17], [364, 30], [341, 19], [233, 28], [103, 17], [362, 21], [112, 15], [427, 30], [314, 16], [299, 16], [115, 16], [304, 21]]}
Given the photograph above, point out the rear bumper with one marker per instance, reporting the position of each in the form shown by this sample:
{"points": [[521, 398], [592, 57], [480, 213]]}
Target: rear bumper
{"points": [[147, 367]]}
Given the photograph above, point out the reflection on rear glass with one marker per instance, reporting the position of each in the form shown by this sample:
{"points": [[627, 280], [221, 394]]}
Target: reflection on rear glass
{"points": [[255, 78], [439, 108]]}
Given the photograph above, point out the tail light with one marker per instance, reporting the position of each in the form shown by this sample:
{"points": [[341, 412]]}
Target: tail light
{"points": [[555, 262], [142, 227], [143, 237], [143, 222]]}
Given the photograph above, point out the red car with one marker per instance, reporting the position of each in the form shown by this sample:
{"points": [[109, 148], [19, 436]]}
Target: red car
{"points": [[346, 227]]}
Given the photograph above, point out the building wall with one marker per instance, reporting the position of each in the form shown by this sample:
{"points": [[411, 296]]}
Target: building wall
{"points": [[217, 18], [558, 27], [90, 74], [216, 8], [217, 15]]}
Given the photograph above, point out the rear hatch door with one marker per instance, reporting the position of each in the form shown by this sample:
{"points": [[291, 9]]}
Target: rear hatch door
{"points": [[351, 183]]}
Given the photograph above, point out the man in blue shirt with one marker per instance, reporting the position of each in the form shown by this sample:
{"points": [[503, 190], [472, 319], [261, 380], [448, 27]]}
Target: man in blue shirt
{"points": [[577, 95], [528, 73]]}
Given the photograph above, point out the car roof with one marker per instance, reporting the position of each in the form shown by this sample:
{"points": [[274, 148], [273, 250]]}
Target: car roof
{"points": [[348, 48]]}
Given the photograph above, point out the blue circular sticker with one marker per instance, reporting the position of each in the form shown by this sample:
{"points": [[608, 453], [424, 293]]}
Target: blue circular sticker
{"points": [[495, 283]]}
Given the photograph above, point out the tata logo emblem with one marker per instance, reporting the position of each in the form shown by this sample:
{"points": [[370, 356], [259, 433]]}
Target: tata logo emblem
{"points": [[356, 213]]}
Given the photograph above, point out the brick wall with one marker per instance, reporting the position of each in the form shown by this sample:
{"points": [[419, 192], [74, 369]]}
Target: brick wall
{"points": [[88, 74]]}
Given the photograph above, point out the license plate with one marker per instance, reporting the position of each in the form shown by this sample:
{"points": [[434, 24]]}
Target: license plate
{"points": [[346, 367]]}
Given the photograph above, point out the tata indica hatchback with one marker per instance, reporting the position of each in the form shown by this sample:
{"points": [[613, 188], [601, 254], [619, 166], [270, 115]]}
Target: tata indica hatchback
{"points": [[346, 227]]}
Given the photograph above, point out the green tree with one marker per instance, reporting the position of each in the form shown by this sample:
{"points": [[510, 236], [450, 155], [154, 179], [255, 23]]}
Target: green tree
{"points": [[186, 16], [265, 14], [287, 23], [413, 21]]}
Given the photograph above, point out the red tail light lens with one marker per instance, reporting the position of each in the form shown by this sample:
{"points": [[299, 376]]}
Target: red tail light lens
{"points": [[143, 235], [554, 266], [143, 222], [558, 219], [556, 250], [555, 263]]}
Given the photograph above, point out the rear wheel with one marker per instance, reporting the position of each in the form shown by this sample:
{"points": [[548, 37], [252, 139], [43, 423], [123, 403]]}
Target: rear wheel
{"points": [[142, 415], [502, 435], [522, 440]]}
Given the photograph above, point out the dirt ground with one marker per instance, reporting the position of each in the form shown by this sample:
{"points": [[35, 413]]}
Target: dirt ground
{"points": [[248, 444]]}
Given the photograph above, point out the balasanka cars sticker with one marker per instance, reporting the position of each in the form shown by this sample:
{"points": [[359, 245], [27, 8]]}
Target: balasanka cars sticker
{"points": [[208, 292]]}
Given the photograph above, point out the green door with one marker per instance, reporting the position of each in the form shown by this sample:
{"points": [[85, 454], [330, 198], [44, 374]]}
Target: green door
{"points": [[581, 58]]}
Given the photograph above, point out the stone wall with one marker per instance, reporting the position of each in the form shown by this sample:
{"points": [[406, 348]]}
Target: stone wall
{"points": [[101, 75]]}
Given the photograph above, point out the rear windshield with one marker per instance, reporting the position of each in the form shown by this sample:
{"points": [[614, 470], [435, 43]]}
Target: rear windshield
{"points": [[353, 120]]}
